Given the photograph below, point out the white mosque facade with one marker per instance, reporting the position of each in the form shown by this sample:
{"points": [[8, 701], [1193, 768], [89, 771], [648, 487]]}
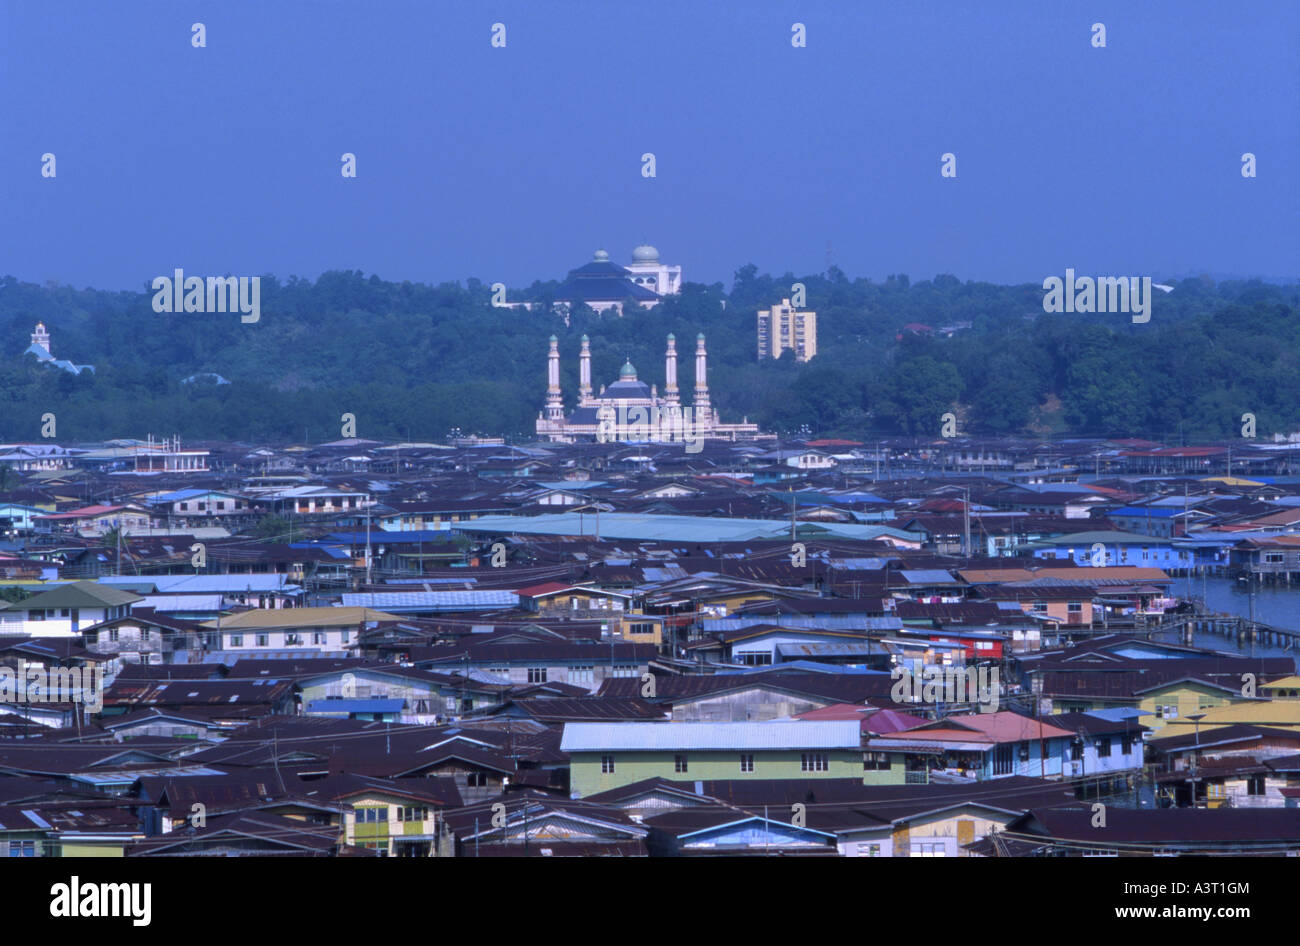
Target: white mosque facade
{"points": [[631, 411], [647, 271]]}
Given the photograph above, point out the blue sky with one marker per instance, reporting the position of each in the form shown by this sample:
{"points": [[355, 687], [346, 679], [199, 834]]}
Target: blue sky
{"points": [[515, 164]]}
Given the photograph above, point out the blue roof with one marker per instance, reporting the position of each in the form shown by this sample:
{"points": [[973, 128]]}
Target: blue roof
{"points": [[189, 494], [408, 601], [1146, 512], [437, 536], [355, 706]]}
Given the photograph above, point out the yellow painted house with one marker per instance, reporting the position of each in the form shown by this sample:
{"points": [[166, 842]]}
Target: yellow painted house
{"points": [[1170, 704], [641, 628], [396, 824], [1276, 714], [1288, 688]]}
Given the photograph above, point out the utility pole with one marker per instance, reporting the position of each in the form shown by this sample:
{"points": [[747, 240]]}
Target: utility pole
{"points": [[965, 515], [367, 541], [793, 531], [1196, 718]]}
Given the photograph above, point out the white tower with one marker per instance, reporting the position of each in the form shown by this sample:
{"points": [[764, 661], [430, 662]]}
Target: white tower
{"points": [[584, 373], [672, 398], [554, 402], [41, 337], [702, 410]]}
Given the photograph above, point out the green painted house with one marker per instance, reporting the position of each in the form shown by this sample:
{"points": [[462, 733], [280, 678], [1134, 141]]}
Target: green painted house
{"points": [[603, 756]]}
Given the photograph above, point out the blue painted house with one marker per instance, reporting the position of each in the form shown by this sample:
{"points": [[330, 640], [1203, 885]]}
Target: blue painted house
{"points": [[1116, 548]]}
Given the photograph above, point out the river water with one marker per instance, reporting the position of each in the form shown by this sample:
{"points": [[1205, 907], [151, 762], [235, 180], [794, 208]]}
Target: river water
{"points": [[1275, 605]]}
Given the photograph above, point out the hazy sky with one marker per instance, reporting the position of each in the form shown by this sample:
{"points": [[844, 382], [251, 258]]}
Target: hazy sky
{"points": [[515, 164]]}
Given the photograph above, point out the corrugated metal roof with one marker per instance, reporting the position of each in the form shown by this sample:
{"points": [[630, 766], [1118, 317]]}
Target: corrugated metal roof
{"points": [[183, 604], [621, 525], [432, 600], [928, 576], [831, 622], [827, 650], [208, 584], [600, 737], [355, 706]]}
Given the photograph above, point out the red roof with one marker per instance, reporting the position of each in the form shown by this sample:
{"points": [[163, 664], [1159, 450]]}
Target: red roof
{"points": [[545, 588]]}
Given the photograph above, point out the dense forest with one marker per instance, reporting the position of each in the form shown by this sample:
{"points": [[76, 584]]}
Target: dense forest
{"points": [[413, 361]]}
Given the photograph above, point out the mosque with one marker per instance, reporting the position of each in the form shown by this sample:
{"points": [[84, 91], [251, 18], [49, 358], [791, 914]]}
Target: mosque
{"points": [[603, 284], [40, 347], [629, 410]]}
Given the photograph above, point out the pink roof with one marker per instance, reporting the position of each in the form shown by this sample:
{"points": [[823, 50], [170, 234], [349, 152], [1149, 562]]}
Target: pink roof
{"points": [[874, 720], [889, 721]]}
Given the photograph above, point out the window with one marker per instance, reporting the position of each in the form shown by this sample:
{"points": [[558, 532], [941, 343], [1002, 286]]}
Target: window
{"points": [[1076, 750], [1003, 759], [679, 763], [758, 659], [582, 674], [875, 761], [1040, 607], [747, 762], [607, 765], [1127, 744], [625, 670], [476, 780], [1103, 746], [868, 850], [317, 637], [536, 674], [1024, 752], [413, 813], [641, 629], [1074, 607], [262, 640], [236, 640], [814, 762]]}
